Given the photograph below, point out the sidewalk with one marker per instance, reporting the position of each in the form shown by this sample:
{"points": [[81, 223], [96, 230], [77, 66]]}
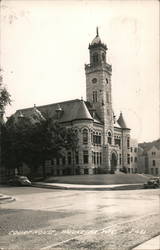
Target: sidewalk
{"points": [[153, 244], [65, 186]]}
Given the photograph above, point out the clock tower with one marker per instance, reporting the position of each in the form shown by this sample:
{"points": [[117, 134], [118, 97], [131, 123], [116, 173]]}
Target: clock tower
{"points": [[98, 84]]}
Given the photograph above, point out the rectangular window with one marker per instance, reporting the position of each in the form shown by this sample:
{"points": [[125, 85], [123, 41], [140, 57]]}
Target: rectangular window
{"points": [[109, 140], [120, 159], [128, 158], [97, 158], [97, 139], [135, 159], [100, 159], [156, 171], [135, 150], [153, 163], [91, 137], [85, 157], [69, 157], [128, 143], [117, 142], [94, 158], [85, 136], [77, 157], [94, 139], [131, 149], [94, 96], [86, 171], [131, 159], [152, 171]]}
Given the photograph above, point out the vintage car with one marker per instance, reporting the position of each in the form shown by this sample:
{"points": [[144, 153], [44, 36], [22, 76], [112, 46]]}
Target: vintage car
{"points": [[18, 180], [153, 183]]}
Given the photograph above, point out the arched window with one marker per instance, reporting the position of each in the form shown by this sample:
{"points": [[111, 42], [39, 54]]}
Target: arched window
{"points": [[128, 142], [109, 137], [103, 57], [95, 58], [85, 136], [95, 96]]}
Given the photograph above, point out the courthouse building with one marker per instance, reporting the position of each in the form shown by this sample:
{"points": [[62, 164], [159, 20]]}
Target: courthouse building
{"points": [[104, 142]]}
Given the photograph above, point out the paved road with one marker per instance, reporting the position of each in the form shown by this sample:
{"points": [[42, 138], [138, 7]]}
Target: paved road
{"points": [[72, 219]]}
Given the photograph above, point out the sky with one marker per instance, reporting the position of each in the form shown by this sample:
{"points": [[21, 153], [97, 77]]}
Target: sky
{"points": [[44, 46]]}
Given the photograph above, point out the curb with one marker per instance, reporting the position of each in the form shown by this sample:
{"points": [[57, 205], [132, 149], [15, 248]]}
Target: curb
{"points": [[85, 188], [153, 243], [40, 185]]}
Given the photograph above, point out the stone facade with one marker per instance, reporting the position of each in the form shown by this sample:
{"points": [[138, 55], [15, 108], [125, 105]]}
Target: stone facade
{"points": [[154, 161], [133, 157], [104, 143]]}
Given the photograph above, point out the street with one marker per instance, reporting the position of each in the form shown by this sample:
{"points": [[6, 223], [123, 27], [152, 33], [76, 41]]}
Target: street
{"points": [[72, 219]]}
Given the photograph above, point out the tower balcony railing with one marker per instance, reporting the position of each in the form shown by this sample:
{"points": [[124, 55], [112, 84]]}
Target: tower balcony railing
{"points": [[99, 64]]}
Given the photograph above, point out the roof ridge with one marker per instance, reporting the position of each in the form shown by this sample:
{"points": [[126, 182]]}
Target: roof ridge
{"points": [[74, 100]]}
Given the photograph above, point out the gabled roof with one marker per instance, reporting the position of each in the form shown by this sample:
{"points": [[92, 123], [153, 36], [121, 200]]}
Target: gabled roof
{"points": [[148, 145], [66, 111]]}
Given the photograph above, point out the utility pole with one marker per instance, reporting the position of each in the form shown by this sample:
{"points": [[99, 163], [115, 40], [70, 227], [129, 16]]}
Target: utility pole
{"points": [[1, 167]]}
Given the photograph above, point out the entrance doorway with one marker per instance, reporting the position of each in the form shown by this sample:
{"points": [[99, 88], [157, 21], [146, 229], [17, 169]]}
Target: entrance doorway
{"points": [[113, 162]]}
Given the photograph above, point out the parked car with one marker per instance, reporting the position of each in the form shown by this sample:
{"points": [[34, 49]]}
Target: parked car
{"points": [[153, 183], [18, 180]]}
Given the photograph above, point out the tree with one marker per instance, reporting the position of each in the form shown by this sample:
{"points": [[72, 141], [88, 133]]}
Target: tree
{"points": [[72, 140], [4, 101], [33, 144], [4, 94]]}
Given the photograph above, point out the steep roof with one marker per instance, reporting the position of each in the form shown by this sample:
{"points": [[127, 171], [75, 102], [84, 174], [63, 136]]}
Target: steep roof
{"points": [[116, 125], [148, 145], [96, 42], [122, 122], [66, 111]]}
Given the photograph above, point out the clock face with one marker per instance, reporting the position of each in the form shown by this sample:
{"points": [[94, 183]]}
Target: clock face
{"points": [[94, 80]]}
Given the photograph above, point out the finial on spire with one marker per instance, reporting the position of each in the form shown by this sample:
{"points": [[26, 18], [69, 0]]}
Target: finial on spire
{"points": [[97, 31]]}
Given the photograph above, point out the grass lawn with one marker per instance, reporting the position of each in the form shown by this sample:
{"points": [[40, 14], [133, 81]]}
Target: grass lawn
{"points": [[99, 179]]}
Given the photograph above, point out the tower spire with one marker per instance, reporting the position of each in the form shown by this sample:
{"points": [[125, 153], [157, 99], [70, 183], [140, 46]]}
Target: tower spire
{"points": [[97, 31]]}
